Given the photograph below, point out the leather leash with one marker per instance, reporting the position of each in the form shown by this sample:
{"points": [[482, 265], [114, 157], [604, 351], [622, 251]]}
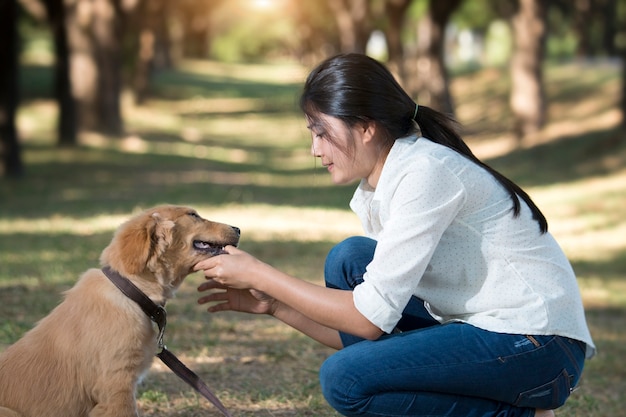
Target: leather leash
{"points": [[158, 315]]}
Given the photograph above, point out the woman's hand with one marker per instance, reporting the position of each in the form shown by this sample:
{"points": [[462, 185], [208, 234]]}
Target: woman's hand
{"points": [[246, 300], [232, 270], [230, 275]]}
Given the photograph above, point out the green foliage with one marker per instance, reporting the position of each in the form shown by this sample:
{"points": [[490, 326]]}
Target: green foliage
{"points": [[476, 15], [254, 41], [245, 34], [498, 43], [152, 396]]}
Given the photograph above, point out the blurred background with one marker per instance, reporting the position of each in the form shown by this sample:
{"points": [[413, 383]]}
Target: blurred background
{"points": [[111, 106], [95, 50]]}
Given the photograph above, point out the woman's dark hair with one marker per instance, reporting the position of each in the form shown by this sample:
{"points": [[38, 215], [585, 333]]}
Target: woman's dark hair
{"points": [[358, 89]]}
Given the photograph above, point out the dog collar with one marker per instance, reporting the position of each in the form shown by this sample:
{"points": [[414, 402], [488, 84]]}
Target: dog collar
{"points": [[153, 310], [158, 315]]}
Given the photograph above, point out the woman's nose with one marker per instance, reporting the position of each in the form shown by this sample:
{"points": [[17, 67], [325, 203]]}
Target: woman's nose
{"points": [[315, 149]]}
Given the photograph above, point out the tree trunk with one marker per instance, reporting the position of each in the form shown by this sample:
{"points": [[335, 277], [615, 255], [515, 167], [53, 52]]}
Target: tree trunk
{"points": [[152, 30], [11, 162], [432, 77], [196, 34], [196, 20], [67, 124], [354, 23], [316, 40], [623, 98], [607, 14], [582, 18], [396, 14], [94, 34], [528, 101]]}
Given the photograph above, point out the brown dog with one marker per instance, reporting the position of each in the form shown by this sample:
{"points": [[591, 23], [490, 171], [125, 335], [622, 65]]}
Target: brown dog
{"points": [[86, 357]]}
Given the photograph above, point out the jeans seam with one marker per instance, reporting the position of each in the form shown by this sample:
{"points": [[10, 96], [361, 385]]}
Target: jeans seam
{"points": [[569, 354]]}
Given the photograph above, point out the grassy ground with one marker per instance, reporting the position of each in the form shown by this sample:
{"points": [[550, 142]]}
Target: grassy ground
{"points": [[229, 141]]}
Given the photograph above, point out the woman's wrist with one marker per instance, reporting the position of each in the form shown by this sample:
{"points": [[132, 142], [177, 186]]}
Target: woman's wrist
{"points": [[275, 308]]}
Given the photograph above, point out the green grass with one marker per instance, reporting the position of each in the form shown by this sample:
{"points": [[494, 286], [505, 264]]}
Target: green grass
{"points": [[229, 140]]}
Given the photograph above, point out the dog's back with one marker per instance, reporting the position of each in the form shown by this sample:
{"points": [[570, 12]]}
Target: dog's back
{"points": [[62, 366]]}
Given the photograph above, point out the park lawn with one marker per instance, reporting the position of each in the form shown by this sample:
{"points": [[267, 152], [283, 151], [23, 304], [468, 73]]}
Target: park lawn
{"points": [[229, 140]]}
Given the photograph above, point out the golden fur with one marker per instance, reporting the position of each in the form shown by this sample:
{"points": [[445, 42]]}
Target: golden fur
{"points": [[86, 357]]}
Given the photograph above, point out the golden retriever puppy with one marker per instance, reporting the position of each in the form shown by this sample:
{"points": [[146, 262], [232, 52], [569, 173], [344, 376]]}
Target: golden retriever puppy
{"points": [[86, 357]]}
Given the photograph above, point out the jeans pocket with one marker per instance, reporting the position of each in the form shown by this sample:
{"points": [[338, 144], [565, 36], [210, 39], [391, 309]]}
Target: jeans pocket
{"points": [[547, 396]]}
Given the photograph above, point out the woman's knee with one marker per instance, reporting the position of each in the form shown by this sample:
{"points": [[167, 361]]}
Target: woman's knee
{"points": [[339, 385], [347, 261]]}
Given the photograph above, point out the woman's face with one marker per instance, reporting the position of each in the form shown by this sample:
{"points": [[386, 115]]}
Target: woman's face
{"points": [[347, 153]]}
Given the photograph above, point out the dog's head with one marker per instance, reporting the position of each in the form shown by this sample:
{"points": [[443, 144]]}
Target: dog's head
{"points": [[165, 242]]}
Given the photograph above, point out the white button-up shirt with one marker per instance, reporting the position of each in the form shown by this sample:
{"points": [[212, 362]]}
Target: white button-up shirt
{"points": [[446, 233]]}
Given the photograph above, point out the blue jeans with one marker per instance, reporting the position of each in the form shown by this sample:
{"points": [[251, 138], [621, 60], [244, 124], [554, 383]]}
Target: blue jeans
{"points": [[429, 369]]}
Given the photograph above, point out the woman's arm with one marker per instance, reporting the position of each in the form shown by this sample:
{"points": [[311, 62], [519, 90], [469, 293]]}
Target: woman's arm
{"points": [[323, 334], [252, 301], [316, 311]]}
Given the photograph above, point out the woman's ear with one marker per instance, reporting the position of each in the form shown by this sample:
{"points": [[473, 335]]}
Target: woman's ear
{"points": [[369, 131]]}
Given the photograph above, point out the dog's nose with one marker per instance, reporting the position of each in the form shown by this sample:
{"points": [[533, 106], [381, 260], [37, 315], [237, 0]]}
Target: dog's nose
{"points": [[237, 230]]}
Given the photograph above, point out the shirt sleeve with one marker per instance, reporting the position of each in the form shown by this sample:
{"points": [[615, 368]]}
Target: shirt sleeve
{"points": [[420, 207]]}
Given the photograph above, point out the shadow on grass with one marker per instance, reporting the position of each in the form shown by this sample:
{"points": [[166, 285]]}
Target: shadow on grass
{"points": [[180, 85], [84, 182], [36, 82], [610, 269]]}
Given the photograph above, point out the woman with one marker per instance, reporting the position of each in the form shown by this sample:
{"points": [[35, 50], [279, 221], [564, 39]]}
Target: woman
{"points": [[457, 303]]}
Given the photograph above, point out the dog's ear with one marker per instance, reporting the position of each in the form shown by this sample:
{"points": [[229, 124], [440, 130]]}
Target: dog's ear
{"points": [[162, 237], [138, 241]]}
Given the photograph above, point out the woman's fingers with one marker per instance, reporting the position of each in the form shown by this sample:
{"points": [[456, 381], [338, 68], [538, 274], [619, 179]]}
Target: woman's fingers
{"points": [[214, 296], [210, 284], [219, 307]]}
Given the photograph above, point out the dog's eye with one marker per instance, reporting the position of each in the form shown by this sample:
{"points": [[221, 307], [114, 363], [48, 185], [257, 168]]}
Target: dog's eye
{"points": [[194, 214], [199, 244]]}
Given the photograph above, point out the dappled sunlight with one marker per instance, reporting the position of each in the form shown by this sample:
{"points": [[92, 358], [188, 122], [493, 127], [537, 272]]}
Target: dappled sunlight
{"points": [[598, 292], [194, 107], [586, 216], [587, 219], [266, 223], [604, 99], [581, 98], [61, 224], [256, 129], [218, 105], [279, 74], [259, 222], [135, 144], [589, 122], [36, 122], [488, 148]]}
